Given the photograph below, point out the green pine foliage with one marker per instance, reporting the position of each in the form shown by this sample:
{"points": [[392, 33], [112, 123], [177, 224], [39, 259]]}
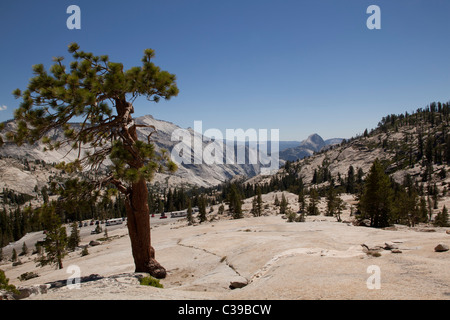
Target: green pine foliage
{"points": [[202, 210], [302, 200], [189, 215], [74, 237], [257, 204], [221, 209], [55, 242], [14, 255], [4, 283], [24, 249], [335, 204], [235, 202], [376, 201], [314, 198], [283, 205], [441, 219]]}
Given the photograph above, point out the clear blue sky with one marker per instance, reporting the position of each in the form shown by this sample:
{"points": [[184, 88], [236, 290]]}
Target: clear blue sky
{"points": [[299, 66]]}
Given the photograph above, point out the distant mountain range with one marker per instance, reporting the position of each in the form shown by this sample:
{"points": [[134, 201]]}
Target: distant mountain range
{"points": [[306, 148], [187, 174]]}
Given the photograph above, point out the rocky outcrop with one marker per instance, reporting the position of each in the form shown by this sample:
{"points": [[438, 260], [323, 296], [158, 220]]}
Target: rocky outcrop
{"points": [[238, 282], [94, 243], [441, 247], [390, 246], [29, 291], [24, 292]]}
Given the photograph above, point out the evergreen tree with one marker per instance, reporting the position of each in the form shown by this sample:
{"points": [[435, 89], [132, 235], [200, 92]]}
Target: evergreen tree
{"points": [[301, 200], [235, 202], [376, 201], [189, 216], [24, 249], [313, 210], [283, 204], [359, 176], [441, 219], [350, 186], [366, 133], [74, 238], [340, 205], [276, 201], [259, 202], [98, 229], [423, 211], [430, 208], [44, 194], [55, 242], [331, 199], [14, 255], [202, 209], [254, 210], [101, 92], [85, 251], [335, 205], [4, 283], [406, 208]]}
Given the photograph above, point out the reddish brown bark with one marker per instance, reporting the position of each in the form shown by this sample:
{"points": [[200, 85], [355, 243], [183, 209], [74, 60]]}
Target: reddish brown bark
{"points": [[136, 203], [139, 231]]}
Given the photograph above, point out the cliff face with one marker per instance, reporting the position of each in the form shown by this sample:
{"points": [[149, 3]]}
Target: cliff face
{"points": [[188, 174]]}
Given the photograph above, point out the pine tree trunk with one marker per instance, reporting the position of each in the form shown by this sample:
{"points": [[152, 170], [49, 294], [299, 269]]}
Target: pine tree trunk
{"points": [[136, 202], [139, 230]]}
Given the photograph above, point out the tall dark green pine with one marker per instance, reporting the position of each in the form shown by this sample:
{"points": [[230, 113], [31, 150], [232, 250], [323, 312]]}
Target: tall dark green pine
{"points": [[332, 202], [350, 186], [441, 219], [235, 202], [313, 202], [283, 204], [301, 200], [74, 238], [55, 242], [202, 209], [189, 216], [257, 203], [376, 201], [99, 94]]}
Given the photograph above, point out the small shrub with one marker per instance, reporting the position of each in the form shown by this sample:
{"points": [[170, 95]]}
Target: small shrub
{"points": [[150, 281], [291, 215], [84, 252], [27, 276], [374, 254]]}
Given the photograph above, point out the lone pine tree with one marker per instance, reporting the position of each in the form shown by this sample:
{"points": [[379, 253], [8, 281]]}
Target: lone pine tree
{"points": [[101, 93]]}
